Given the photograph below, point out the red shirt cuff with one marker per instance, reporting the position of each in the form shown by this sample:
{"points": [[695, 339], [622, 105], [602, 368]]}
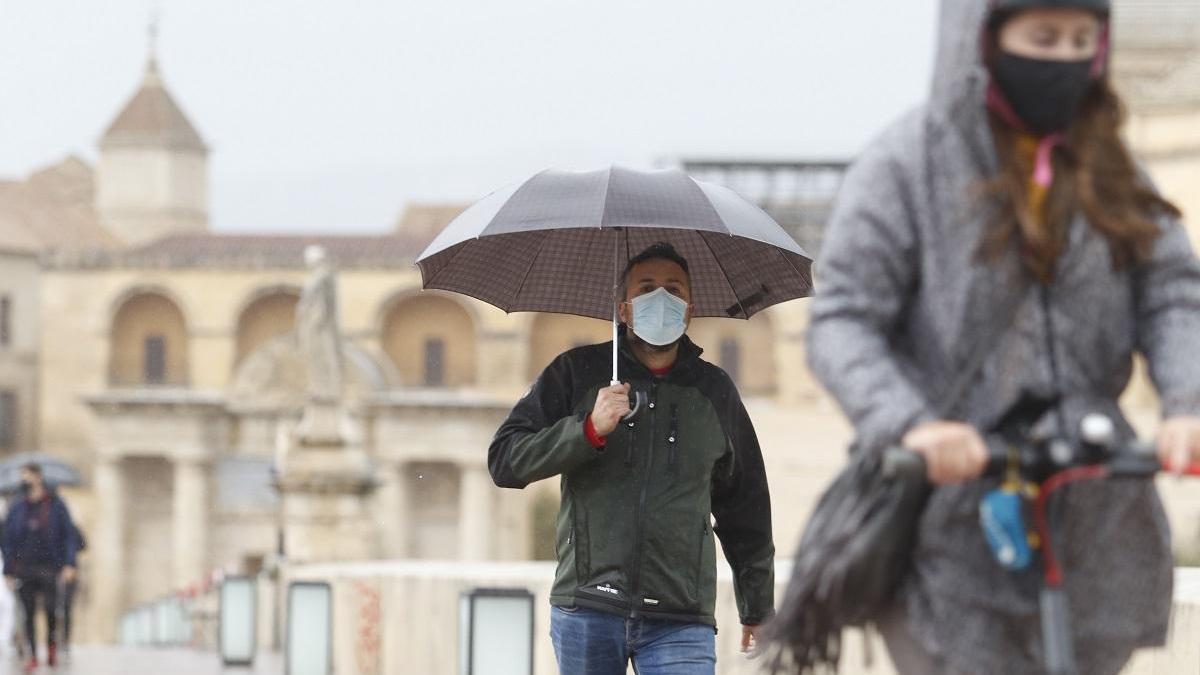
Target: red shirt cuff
{"points": [[589, 430]]}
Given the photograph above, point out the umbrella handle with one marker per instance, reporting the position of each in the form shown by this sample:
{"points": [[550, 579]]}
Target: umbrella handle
{"points": [[639, 399]]}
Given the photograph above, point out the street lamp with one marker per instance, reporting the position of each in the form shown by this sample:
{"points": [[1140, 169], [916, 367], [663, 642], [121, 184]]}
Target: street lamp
{"points": [[309, 646], [495, 634], [236, 624]]}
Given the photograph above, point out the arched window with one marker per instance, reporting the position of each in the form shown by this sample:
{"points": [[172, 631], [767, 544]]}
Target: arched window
{"points": [[553, 334], [148, 343], [744, 349], [264, 319], [431, 341]]}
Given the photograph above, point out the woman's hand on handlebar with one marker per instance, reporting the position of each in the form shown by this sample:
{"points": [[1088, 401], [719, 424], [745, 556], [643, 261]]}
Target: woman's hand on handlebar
{"points": [[954, 452], [1178, 442]]}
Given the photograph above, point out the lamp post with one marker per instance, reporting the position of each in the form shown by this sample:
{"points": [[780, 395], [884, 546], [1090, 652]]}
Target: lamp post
{"points": [[495, 635], [309, 638], [236, 625]]}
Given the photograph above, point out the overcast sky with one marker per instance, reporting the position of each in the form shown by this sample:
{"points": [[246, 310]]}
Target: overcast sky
{"points": [[330, 116]]}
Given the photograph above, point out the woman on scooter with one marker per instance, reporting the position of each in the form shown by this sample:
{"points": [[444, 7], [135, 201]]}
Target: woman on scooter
{"points": [[1013, 180]]}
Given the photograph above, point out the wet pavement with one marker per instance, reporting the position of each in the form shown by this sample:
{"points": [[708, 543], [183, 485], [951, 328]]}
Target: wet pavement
{"points": [[125, 661]]}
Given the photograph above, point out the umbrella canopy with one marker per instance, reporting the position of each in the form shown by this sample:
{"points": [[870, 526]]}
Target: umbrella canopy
{"points": [[557, 242], [55, 471]]}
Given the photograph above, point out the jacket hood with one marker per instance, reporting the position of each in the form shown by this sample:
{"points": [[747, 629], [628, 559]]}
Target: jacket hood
{"points": [[958, 66]]}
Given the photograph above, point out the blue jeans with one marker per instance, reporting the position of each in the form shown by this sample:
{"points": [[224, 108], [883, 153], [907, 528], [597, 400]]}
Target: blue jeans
{"points": [[587, 642]]}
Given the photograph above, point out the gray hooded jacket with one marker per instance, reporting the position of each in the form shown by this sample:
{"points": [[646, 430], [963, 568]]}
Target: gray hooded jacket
{"points": [[900, 304]]}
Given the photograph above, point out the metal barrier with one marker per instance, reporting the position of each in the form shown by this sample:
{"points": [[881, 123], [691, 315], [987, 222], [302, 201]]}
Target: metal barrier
{"points": [[166, 622]]}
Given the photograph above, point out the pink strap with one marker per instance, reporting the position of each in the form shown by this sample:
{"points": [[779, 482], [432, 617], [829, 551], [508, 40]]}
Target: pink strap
{"points": [[1043, 168], [1100, 62]]}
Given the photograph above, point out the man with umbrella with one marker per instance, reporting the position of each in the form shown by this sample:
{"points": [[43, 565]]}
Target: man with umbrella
{"points": [[635, 535], [636, 557], [39, 548]]}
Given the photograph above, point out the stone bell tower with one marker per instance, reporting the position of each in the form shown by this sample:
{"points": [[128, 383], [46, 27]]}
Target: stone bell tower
{"points": [[152, 178]]}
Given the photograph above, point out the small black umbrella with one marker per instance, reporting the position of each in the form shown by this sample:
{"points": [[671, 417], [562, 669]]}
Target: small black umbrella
{"points": [[558, 241], [56, 472]]}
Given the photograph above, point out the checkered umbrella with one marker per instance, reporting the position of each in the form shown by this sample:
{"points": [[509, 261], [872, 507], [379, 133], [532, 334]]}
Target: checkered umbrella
{"points": [[558, 241]]}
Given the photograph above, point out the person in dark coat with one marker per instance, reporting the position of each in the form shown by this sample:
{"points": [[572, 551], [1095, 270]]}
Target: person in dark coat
{"points": [[637, 569], [39, 548]]}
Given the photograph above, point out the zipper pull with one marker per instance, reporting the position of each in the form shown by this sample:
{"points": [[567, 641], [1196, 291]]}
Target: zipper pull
{"points": [[673, 435]]}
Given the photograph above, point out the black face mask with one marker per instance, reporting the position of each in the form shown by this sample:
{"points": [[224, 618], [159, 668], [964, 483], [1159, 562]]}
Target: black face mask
{"points": [[26, 487], [1044, 94]]}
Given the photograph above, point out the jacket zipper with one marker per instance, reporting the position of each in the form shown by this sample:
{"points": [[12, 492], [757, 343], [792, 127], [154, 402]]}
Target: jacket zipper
{"points": [[673, 436], [634, 587], [632, 442], [700, 559], [1052, 357]]}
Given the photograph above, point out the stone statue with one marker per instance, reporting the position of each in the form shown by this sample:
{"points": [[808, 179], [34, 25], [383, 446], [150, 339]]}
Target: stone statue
{"points": [[317, 328]]}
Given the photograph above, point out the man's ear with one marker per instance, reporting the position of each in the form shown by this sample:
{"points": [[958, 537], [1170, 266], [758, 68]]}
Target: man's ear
{"points": [[623, 312]]}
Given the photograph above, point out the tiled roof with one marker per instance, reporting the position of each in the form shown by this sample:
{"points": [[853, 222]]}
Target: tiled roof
{"points": [[240, 251], [426, 219], [152, 118], [52, 210]]}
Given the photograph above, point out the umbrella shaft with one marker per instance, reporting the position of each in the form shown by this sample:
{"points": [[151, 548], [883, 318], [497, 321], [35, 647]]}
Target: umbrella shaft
{"points": [[616, 289]]}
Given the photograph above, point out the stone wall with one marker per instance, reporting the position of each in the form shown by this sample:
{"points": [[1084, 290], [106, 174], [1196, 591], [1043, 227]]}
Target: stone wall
{"points": [[404, 618]]}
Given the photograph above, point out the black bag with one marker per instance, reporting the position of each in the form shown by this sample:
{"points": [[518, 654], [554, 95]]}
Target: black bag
{"points": [[850, 560], [857, 545]]}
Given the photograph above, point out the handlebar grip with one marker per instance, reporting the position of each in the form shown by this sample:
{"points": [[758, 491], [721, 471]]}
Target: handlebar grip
{"points": [[903, 463], [1192, 469]]}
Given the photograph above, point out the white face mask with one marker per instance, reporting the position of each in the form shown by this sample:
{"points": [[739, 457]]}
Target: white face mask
{"points": [[659, 317]]}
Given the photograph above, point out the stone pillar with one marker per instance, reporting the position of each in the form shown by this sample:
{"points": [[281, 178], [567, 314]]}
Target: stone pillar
{"points": [[393, 506], [189, 525], [108, 585], [475, 512]]}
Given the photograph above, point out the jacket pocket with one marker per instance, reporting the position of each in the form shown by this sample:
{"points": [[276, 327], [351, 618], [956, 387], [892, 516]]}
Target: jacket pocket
{"points": [[704, 572], [579, 543]]}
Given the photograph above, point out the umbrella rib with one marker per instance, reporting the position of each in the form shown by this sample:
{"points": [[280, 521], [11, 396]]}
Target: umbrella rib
{"points": [[462, 247], [724, 274], [788, 260], [528, 270]]}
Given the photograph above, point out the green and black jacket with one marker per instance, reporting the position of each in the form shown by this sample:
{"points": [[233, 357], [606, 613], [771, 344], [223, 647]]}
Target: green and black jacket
{"points": [[635, 529]]}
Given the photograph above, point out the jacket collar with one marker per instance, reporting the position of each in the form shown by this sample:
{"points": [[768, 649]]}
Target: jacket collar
{"points": [[689, 353]]}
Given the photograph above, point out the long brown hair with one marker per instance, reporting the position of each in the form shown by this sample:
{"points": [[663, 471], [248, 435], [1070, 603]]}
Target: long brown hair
{"points": [[1094, 173]]}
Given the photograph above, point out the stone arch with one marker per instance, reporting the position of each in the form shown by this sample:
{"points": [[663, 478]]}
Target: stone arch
{"points": [[553, 334], [148, 341], [269, 313], [745, 349], [431, 339]]}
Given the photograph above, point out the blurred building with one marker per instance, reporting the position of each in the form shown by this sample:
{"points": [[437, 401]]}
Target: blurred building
{"points": [[1156, 62], [160, 357]]}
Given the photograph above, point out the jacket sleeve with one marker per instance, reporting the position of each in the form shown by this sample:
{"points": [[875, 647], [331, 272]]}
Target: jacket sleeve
{"points": [[69, 546], [541, 437], [741, 504], [868, 270], [1167, 296], [14, 531]]}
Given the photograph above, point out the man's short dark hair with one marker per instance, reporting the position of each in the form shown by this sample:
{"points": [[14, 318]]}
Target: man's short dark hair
{"points": [[33, 468], [659, 251]]}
